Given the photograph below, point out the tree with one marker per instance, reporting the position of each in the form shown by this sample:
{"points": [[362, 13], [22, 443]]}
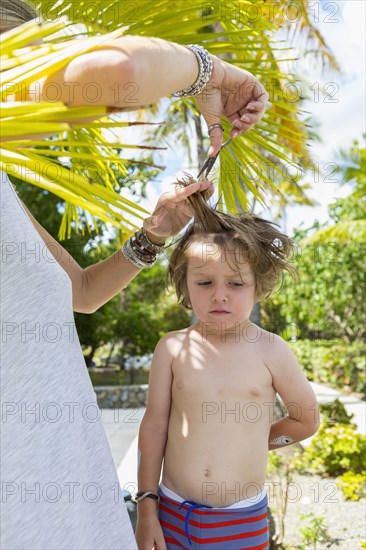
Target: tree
{"points": [[349, 213], [327, 301]]}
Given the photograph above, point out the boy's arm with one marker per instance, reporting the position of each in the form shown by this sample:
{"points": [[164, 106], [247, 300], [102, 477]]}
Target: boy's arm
{"points": [[290, 383], [152, 440]]}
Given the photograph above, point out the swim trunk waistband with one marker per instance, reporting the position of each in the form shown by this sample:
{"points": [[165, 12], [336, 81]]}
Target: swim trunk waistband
{"points": [[246, 502], [187, 524]]}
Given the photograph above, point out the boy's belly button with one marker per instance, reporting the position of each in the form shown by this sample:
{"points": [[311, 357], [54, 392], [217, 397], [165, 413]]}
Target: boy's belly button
{"points": [[206, 472]]}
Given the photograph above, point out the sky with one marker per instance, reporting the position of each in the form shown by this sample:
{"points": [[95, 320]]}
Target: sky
{"points": [[340, 121], [340, 115]]}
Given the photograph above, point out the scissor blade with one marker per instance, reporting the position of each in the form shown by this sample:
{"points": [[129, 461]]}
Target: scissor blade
{"points": [[207, 165], [204, 166], [210, 161]]}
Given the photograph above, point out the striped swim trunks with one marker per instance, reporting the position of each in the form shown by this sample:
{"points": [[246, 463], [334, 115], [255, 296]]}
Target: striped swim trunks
{"points": [[194, 526]]}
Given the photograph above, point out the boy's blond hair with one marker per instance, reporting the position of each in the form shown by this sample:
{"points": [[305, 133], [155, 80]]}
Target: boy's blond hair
{"points": [[254, 239]]}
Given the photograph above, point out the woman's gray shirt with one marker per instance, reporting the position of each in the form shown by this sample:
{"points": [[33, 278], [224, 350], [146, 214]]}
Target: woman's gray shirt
{"points": [[59, 486]]}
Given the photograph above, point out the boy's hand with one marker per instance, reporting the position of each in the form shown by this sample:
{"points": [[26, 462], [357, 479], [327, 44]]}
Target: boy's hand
{"points": [[149, 533]]}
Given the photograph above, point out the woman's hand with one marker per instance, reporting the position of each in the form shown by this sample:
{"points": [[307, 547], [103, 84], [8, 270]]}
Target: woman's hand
{"points": [[173, 211], [234, 93]]}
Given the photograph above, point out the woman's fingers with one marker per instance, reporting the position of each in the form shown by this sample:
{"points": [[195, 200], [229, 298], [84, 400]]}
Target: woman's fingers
{"points": [[240, 126], [216, 140], [245, 121], [181, 193], [253, 106]]}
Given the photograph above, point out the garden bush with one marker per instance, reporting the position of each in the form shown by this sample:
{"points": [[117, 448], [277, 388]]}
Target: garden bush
{"points": [[335, 412], [332, 362], [352, 485], [333, 451]]}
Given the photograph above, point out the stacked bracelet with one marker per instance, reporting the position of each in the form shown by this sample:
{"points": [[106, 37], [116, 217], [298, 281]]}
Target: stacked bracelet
{"points": [[140, 251], [204, 75]]}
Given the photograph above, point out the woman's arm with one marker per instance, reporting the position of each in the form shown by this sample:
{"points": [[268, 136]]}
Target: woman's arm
{"points": [[98, 283], [134, 71], [95, 285], [127, 72]]}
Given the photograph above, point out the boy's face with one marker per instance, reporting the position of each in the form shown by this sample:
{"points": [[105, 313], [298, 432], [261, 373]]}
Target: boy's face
{"points": [[217, 292]]}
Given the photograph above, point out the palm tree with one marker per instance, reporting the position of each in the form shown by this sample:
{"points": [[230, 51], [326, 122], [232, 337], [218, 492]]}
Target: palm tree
{"points": [[352, 169], [58, 164]]}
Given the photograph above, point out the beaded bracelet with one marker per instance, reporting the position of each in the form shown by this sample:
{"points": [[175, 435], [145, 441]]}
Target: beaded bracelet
{"points": [[131, 255], [140, 251], [205, 71]]}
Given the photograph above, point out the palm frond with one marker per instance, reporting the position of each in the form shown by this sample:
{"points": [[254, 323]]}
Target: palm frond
{"points": [[83, 27], [81, 154], [353, 167], [342, 232]]}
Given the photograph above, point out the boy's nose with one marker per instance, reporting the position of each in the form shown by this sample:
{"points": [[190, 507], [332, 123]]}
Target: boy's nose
{"points": [[219, 296]]}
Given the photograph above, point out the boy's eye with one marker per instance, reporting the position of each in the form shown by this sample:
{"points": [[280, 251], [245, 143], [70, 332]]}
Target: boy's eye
{"points": [[206, 283]]}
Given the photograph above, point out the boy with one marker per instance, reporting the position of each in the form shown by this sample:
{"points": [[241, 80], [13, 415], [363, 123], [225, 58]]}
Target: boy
{"points": [[212, 391]]}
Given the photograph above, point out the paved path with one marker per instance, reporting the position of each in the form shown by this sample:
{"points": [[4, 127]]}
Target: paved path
{"points": [[122, 427]]}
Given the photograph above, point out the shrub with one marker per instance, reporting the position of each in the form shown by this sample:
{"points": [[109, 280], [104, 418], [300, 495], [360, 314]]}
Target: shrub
{"points": [[352, 485], [333, 451], [335, 412], [314, 532], [333, 362]]}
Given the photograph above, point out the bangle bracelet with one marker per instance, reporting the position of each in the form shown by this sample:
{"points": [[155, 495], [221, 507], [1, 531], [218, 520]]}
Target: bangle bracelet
{"points": [[204, 75], [145, 243], [158, 247], [131, 254], [145, 494], [140, 251]]}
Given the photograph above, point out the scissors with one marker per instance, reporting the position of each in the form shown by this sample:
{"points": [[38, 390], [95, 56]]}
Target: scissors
{"points": [[210, 161]]}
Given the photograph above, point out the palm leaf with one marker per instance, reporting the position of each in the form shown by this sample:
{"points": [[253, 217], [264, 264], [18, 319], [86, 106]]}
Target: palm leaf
{"points": [[342, 232], [240, 41], [85, 141], [352, 169]]}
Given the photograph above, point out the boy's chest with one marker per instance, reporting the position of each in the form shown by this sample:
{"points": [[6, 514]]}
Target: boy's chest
{"points": [[216, 376]]}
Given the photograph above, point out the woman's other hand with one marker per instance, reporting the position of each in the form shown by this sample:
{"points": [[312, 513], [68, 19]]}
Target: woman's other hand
{"points": [[234, 93]]}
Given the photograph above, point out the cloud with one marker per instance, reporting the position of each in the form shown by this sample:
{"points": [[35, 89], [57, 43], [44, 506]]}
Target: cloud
{"points": [[354, 14]]}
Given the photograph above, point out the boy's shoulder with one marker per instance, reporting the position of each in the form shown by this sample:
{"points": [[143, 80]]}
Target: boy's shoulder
{"points": [[171, 340], [271, 343], [275, 350], [268, 337], [179, 334]]}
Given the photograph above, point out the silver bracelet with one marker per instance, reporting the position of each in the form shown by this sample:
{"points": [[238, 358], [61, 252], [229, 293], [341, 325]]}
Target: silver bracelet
{"points": [[132, 257], [205, 71]]}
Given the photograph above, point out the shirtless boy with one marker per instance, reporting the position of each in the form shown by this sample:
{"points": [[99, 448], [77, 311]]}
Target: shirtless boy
{"points": [[209, 417]]}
